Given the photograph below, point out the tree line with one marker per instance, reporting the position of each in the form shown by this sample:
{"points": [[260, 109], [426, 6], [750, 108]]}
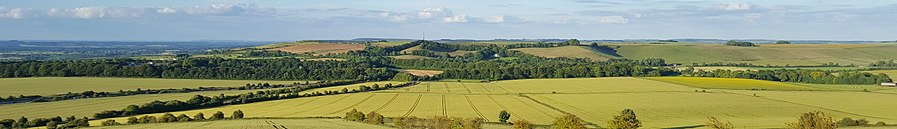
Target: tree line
{"points": [[740, 43], [168, 118], [50, 123], [93, 94], [798, 75], [200, 68]]}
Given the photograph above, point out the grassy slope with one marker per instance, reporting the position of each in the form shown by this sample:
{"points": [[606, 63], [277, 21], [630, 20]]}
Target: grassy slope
{"points": [[890, 73], [731, 83], [61, 85], [657, 103], [795, 54], [565, 51]]}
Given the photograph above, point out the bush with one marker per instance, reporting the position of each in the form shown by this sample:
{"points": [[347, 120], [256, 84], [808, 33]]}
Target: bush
{"points": [[568, 121], [237, 114], [199, 116], [374, 118], [503, 116], [522, 124], [110, 123], [626, 120], [217, 116], [813, 120], [716, 124], [354, 115]]}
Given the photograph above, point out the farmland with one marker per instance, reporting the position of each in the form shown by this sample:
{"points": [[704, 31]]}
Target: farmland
{"points": [[793, 54], [659, 104], [60, 85], [891, 73], [565, 51], [320, 48]]}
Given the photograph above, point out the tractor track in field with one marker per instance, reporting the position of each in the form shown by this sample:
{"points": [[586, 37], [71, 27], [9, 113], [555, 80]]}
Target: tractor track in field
{"points": [[444, 112], [475, 108], [315, 108], [387, 103], [503, 107], [574, 107], [502, 88], [465, 87], [447, 89], [428, 87], [353, 105], [275, 125], [416, 102], [285, 107], [551, 107], [796, 103], [484, 88]]}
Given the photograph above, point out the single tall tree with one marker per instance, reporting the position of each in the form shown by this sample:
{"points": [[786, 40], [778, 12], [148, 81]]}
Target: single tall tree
{"points": [[237, 114]]}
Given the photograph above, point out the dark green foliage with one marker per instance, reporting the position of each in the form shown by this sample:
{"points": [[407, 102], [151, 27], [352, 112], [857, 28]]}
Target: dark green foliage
{"points": [[110, 123], [850, 122], [403, 77], [625, 120], [217, 116], [800, 75], [199, 117], [237, 114], [889, 63], [374, 118], [354, 115], [739, 43], [503, 116], [783, 42], [267, 53]]}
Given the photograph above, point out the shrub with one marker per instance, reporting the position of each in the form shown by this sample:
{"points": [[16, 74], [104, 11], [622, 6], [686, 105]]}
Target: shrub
{"points": [[813, 120], [626, 120], [199, 116], [374, 118], [568, 121], [503, 116], [110, 123], [354, 115], [217, 116], [522, 124], [716, 124], [237, 114]]}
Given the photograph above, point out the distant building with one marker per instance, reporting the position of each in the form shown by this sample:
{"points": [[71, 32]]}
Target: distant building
{"points": [[889, 84]]}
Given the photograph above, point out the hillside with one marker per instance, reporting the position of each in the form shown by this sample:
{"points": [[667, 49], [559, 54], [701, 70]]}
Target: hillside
{"points": [[566, 51], [62, 85], [658, 104], [773, 54]]}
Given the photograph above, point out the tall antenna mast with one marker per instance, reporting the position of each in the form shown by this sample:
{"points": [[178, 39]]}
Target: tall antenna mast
{"points": [[423, 36]]}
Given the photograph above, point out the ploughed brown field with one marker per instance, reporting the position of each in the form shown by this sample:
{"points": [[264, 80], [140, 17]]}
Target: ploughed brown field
{"points": [[321, 49]]}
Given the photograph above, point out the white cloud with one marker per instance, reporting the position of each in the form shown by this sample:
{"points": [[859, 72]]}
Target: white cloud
{"points": [[434, 13], [14, 13], [494, 19], [613, 20], [736, 6], [455, 19], [166, 10]]}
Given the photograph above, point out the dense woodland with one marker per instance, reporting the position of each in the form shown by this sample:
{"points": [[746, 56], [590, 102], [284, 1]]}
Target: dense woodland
{"points": [[798, 75], [740, 43]]}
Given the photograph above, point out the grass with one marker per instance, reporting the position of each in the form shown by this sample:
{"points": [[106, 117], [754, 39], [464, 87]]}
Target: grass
{"points": [[890, 73], [731, 83], [255, 123], [794, 54], [320, 48], [565, 51], [61, 85], [659, 104]]}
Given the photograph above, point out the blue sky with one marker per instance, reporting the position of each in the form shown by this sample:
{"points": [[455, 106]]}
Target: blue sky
{"points": [[467, 19]]}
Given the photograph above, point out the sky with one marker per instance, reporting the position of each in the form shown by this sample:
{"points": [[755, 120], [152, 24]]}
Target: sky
{"points": [[269, 20]]}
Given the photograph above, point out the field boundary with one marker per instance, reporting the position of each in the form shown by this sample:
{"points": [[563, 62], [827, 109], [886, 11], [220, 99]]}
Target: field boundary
{"points": [[322, 106], [551, 107], [465, 87], [444, 112], [484, 88], [503, 106], [796, 103]]}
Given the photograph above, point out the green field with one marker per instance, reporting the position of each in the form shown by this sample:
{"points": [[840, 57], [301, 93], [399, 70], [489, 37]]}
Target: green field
{"points": [[255, 124], [61, 85], [731, 83], [773, 54], [566, 51], [659, 104]]}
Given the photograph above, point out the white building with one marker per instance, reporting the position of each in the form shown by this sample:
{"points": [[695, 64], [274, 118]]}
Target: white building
{"points": [[889, 84]]}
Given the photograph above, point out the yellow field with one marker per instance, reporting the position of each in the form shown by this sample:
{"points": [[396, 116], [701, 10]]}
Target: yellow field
{"points": [[773, 54], [565, 51], [657, 103], [61, 85], [731, 83]]}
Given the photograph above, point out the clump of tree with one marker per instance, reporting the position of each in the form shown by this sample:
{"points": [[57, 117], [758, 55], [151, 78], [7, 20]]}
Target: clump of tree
{"points": [[783, 42], [714, 123], [568, 121], [168, 118], [800, 75], [625, 120], [374, 118], [438, 122], [889, 63], [354, 115], [503, 116], [93, 94], [668, 40], [740, 43], [813, 120], [522, 124], [50, 123]]}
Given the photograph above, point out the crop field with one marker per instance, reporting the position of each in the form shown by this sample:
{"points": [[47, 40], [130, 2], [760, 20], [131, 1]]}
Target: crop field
{"points": [[658, 104], [731, 83], [61, 85], [320, 48], [890, 73], [410, 57], [565, 51], [87, 107], [416, 72], [255, 124], [797, 54]]}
